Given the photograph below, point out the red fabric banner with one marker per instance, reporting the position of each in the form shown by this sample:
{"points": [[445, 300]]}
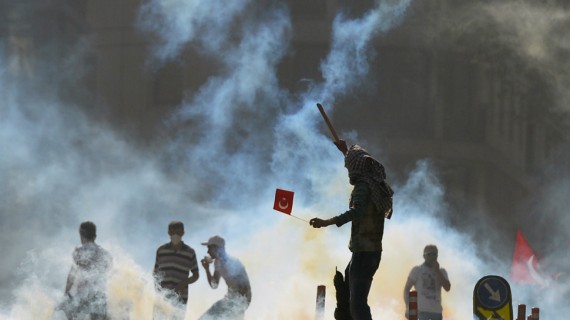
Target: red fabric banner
{"points": [[525, 267], [283, 201]]}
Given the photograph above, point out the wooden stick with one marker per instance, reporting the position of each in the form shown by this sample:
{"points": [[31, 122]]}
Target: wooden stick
{"points": [[328, 122]]}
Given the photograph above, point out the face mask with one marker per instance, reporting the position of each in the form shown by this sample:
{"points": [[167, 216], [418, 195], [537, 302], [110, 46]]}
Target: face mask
{"points": [[431, 258], [175, 238]]}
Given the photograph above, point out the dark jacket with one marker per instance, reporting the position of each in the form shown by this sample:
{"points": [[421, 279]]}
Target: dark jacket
{"points": [[367, 223]]}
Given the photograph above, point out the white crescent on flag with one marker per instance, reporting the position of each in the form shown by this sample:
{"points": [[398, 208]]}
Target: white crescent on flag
{"points": [[534, 273], [283, 207]]}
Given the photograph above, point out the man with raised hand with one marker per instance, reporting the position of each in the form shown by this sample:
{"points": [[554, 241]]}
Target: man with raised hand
{"points": [[237, 299], [428, 279]]}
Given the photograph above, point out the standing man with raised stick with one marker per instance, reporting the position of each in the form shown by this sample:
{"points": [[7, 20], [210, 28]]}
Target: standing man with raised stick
{"points": [[370, 202]]}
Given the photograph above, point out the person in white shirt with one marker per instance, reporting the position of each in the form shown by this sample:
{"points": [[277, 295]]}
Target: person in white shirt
{"points": [[428, 279], [236, 301]]}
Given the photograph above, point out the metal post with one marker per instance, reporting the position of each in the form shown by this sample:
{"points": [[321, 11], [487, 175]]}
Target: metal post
{"points": [[521, 314], [321, 292], [535, 313], [413, 305]]}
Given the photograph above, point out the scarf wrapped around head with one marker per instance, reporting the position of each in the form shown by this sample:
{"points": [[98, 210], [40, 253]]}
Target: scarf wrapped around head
{"points": [[362, 167]]}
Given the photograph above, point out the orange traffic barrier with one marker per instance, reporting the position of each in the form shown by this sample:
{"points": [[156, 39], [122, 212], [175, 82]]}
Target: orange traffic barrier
{"points": [[320, 312], [413, 306]]}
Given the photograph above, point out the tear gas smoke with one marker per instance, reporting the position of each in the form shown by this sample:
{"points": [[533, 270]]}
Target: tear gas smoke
{"points": [[240, 137]]}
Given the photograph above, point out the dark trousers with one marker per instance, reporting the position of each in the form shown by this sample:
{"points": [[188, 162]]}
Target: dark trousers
{"points": [[430, 316], [358, 276]]}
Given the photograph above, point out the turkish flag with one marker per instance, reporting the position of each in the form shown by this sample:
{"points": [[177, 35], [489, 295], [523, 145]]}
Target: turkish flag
{"points": [[525, 267], [283, 201]]}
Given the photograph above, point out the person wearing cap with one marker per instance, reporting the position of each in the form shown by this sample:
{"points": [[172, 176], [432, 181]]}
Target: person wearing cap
{"points": [[174, 262], [428, 279], [370, 203], [236, 301], [85, 290]]}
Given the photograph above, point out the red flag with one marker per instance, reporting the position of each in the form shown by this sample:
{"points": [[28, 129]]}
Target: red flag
{"points": [[525, 267], [283, 201]]}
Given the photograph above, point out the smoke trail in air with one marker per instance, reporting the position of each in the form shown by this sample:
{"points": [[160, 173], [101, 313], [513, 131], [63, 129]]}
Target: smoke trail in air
{"points": [[240, 135]]}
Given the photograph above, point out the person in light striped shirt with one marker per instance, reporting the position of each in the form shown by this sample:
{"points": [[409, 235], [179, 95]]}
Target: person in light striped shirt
{"points": [[174, 262]]}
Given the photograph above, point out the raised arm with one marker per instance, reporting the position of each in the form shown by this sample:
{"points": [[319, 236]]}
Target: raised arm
{"points": [[214, 279], [442, 275]]}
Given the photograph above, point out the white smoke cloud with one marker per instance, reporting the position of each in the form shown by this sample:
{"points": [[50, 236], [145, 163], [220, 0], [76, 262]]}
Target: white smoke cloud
{"points": [[60, 168], [538, 32], [348, 62], [179, 22], [241, 136], [531, 32]]}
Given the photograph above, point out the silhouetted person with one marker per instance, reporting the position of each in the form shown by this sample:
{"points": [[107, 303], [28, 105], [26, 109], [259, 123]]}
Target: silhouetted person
{"points": [[370, 203], [237, 299], [87, 280], [174, 262], [428, 279]]}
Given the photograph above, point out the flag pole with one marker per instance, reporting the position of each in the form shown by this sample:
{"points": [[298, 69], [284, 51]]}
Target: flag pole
{"points": [[298, 218]]}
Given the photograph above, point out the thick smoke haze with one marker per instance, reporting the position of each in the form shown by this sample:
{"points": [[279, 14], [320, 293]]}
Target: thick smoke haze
{"points": [[228, 145], [539, 34], [530, 32], [536, 34]]}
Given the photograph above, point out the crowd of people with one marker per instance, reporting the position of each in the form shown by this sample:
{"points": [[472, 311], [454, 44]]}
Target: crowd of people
{"points": [[176, 265], [175, 268], [370, 203]]}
